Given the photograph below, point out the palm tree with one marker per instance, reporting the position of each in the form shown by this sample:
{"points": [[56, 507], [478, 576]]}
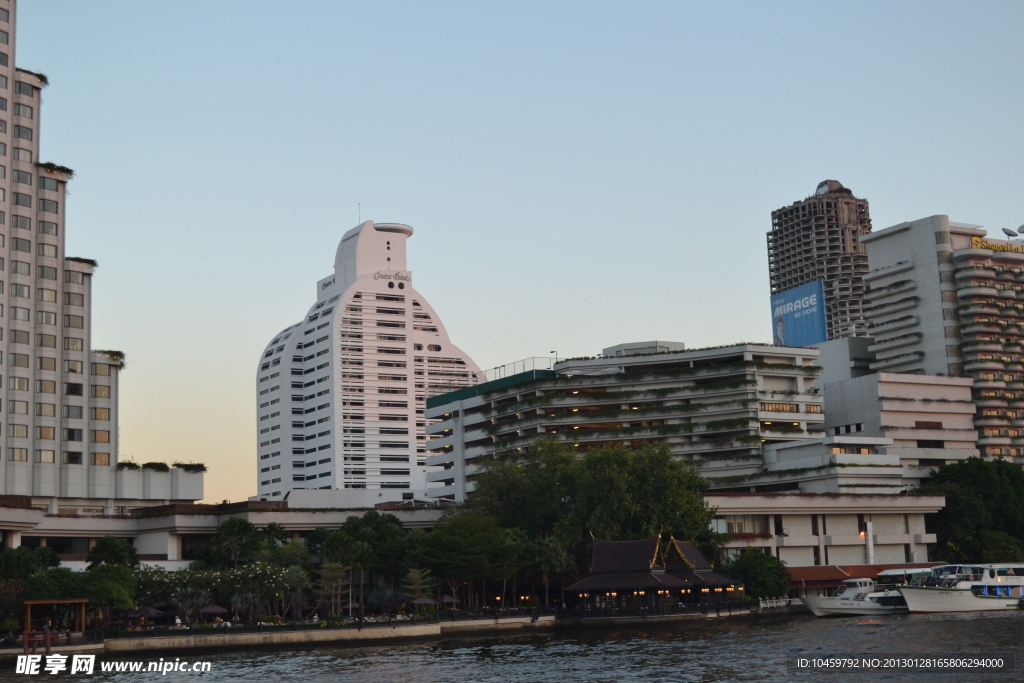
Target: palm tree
{"points": [[548, 557], [360, 555], [275, 534]]}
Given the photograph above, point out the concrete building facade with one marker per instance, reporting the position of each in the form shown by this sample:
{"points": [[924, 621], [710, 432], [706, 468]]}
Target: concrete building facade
{"points": [[819, 238], [341, 395], [60, 398], [712, 407], [946, 300]]}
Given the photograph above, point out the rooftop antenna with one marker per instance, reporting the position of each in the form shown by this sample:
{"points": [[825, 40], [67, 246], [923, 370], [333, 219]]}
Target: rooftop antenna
{"points": [[1010, 233]]}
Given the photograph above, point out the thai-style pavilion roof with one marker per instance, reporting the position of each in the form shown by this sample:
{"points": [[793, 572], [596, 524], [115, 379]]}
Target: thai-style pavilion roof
{"points": [[624, 556]]}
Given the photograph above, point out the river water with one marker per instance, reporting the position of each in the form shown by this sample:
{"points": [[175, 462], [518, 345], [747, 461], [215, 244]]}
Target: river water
{"points": [[714, 651]]}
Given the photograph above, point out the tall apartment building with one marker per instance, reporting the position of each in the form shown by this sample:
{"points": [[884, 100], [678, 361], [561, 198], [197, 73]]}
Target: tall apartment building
{"points": [[819, 238], [341, 394], [713, 407], [59, 398], [946, 300]]}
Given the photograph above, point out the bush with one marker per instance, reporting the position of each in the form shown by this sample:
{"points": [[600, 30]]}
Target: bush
{"points": [[190, 467], [156, 466]]}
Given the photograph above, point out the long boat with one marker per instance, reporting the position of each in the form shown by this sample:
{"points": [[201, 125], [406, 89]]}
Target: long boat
{"points": [[967, 588]]}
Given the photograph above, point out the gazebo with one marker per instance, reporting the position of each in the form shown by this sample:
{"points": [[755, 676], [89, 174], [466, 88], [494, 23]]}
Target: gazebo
{"points": [[79, 603]]}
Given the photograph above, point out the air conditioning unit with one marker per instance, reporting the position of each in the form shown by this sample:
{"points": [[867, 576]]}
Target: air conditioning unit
{"points": [[785, 531]]}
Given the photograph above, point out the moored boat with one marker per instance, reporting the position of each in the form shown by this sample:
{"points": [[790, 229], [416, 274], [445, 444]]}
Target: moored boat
{"points": [[967, 588], [857, 597]]}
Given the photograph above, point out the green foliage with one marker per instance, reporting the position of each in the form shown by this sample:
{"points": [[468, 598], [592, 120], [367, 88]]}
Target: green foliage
{"points": [[23, 562], [153, 585], [112, 551], [238, 539], [128, 465], [418, 582], [109, 586], [1000, 547], [462, 548], [610, 493], [156, 466], [762, 575], [981, 496], [12, 592], [56, 168], [190, 467]]}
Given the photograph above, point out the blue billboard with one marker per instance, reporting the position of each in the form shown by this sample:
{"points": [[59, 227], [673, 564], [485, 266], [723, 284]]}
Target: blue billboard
{"points": [[798, 315]]}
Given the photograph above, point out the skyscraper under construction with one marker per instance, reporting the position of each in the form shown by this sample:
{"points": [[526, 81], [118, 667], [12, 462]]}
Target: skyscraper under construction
{"points": [[819, 239]]}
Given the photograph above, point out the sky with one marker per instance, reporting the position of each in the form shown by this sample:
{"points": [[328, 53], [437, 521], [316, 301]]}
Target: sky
{"points": [[578, 174]]}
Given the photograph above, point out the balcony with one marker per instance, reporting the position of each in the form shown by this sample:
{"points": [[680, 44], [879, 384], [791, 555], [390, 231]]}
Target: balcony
{"points": [[978, 365], [975, 271], [968, 292]]}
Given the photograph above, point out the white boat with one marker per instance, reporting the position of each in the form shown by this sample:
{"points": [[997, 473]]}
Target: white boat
{"points": [[857, 597], [967, 588]]}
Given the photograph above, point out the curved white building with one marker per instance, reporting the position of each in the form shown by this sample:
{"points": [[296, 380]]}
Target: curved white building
{"points": [[341, 395]]}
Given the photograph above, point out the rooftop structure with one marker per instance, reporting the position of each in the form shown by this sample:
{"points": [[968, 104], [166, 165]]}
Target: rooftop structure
{"points": [[819, 239]]}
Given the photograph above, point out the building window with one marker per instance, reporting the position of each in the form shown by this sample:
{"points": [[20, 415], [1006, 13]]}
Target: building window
{"points": [[18, 313], [74, 321], [73, 366], [45, 386], [49, 295], [22, 291], [72, 434], [23, 177], [47, 227], [47, 250], [73, 457], [44, 363], [101, 369], [48, 184], [22, 154], [46, 340], [21, 245], [920, 424], [46, 433], [22, 200], [49, 206], [73, 277], [17, 454], [23, 89], [101, 414], [46, 318], [72, 344], [18, 360], [18, 384], [23, 222], [23, 132], [72, 412], [19, 337], [101, 459], [22, 110], [17, 407], [47, 273], [46, 410], [72, 299], [21, 268], [72, 389], [930, 443], [100, 391], [100, 436]]}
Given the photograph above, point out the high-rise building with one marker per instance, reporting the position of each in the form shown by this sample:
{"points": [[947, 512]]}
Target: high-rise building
{"points": [[341, 395], [713, 407], [947, 300], [819, 239], [59, 398]]}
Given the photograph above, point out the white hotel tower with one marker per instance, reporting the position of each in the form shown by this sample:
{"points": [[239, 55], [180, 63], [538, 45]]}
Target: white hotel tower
{"points": [[59, 399], [341, 395]]}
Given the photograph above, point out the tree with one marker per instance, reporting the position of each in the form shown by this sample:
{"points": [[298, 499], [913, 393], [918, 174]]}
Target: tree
{"points": [[547, 556], [360, 556], [110, 587], [22, 562], [762, 575], [239, 539], [335, 581], [290, 554], [418, 582], [1000, 547], [113, 551], [12, 592], [462, 548], [275, 534]]}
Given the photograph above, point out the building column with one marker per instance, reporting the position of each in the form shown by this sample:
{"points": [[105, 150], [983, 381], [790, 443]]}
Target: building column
{"points": [[12, 539]]}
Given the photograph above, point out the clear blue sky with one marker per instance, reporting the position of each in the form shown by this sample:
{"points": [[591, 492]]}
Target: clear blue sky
{"points": [[579, 174]]}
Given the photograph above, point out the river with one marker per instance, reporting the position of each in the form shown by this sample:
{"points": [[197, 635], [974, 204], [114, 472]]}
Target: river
{"points": [[738, 651]]}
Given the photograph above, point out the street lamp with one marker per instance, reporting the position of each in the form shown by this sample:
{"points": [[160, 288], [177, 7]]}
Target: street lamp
{"points": [[556, 357]]}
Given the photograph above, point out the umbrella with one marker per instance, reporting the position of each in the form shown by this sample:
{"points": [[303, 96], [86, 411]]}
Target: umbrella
{"points": [[448, 598], [150, 612], [424, 601], [213, 609], [351, 605]]}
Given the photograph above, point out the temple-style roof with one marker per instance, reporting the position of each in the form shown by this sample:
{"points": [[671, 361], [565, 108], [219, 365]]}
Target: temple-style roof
{"points": [[624, 556]]}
